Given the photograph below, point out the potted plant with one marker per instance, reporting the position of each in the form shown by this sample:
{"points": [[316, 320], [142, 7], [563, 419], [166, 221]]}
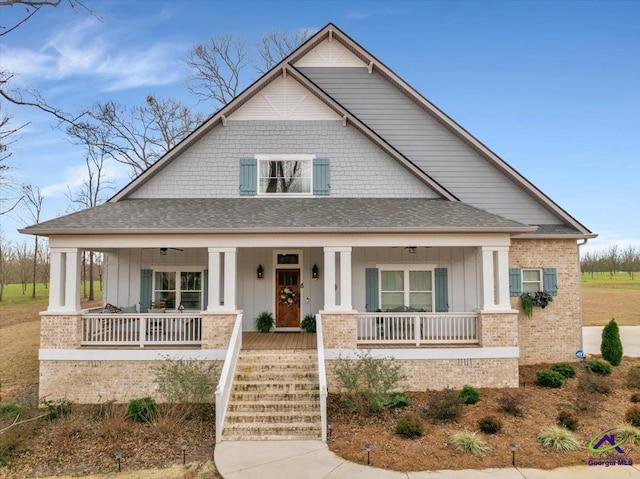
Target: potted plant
{"points": [[529, 300], [265, 321], [308, 323]]}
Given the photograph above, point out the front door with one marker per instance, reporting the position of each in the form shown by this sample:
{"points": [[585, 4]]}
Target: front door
{"points": [[287, 298]]}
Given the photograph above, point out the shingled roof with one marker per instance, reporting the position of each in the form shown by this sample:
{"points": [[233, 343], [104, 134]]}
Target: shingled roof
{"points": [[286, 215]]}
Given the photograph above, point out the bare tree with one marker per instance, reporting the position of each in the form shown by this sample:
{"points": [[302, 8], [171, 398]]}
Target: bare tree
{"points": [[8, 135], [5, 255], [135, 136], [34, 202], [216, 67], [22, 264], [274, 46], [629, 260]]}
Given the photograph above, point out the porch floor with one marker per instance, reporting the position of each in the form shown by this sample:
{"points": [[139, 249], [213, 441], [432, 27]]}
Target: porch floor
{"points": [[295, 340]]}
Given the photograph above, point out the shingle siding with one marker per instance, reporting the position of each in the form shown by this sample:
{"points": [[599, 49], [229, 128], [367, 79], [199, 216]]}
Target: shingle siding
{"points": [[428, 144], [210, 168]]}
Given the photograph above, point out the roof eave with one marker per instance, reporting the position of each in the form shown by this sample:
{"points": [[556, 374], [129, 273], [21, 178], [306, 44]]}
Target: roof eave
{"points": [[576, 236]]}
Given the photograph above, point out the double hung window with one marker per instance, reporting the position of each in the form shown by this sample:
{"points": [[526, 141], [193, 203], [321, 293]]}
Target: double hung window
{"points": [[406, 288], [178, 287], [285, 174]]}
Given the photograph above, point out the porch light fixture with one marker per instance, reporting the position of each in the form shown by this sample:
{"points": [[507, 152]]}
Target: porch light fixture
{"points": [[368, 448], [183, 446], [513, 446], [260, 272], [118, 456], [163, 251], [315, 271]]}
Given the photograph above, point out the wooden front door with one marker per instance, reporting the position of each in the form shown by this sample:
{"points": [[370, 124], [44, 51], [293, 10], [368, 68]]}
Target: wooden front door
{"points": [[287, 298]]}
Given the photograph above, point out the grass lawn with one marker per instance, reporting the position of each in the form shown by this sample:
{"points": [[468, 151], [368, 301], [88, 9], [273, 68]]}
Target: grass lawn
{"points": [[605, 297], [12, 294]]}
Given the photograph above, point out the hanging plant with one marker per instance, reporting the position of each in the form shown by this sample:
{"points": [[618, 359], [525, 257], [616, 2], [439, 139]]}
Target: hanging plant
{"points": [[527, 304]]}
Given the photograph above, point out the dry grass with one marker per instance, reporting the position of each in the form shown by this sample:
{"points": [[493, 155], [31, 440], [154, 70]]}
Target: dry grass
{"points": [[599, 305]]}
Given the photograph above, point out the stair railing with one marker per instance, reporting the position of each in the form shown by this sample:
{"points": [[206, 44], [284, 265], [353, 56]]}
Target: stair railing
{"points": [[225, 384], [322, 378]]}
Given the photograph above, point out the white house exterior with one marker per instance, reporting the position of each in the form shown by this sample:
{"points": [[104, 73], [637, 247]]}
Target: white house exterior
{"points": [[328, 187]]}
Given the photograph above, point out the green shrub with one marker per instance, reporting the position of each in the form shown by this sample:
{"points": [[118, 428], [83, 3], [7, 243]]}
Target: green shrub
{"points": [[57, 408], [632, 416], [558, 439], [568, 420], [185, 381], [489, 425], [10, 409], [265, 321], [598, 367], [409, 426], [366, 383], [628, 434], [549, 379], [469, 395], [566, 369], [308, 323], [611, 345], [633, 378], [443, 406], [398, 400], [635, 397], [468, 442], [142, 410], [512, 403]]}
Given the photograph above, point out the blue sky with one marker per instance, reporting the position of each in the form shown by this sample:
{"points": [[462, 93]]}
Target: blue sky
{"points": [[551, 87]]}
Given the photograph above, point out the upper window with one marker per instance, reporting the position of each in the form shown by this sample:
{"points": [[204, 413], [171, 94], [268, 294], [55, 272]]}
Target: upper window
{"points": [[401, 288], [531, 280], [285, 174]]}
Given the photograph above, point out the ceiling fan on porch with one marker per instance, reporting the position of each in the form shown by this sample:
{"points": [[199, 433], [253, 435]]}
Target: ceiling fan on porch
{"points": [[411, 249], [163, 251]]}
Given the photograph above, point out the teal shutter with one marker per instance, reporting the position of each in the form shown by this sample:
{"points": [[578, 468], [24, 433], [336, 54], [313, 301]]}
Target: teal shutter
{"points": [[146, 283], [321, 185], [205, 290], [371, 289], [248, 176], [515, 282], [550, 281], [442, 290]]}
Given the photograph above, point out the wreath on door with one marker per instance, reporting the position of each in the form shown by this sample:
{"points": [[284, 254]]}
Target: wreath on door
{"points": [[288, 296]]}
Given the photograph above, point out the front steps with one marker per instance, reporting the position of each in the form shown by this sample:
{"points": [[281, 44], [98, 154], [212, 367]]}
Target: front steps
{"points": [[275, 396]]}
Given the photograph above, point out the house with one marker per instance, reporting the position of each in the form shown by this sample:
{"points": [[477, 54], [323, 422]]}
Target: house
{"points": [[328, 187]]}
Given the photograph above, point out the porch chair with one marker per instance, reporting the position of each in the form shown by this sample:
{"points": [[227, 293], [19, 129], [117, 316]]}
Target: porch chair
{"points": [[156, 326]]}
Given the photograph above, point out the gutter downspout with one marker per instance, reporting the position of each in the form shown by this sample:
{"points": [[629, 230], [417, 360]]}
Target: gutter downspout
{"points": [[585, 240]]}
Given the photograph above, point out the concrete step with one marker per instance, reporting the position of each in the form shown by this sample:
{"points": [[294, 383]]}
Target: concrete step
{"points": [[300, 404], [273, 386], [273, 396], [273, 417], [255, 431], [276, 375]]}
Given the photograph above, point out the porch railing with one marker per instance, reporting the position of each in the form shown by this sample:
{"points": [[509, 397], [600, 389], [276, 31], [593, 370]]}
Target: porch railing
{"points": [[322, 378], [141, 329], [417, 328], [223, 390]]}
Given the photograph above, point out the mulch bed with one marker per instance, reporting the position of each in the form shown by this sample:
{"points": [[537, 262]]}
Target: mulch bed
{"points": [[433, 452]]}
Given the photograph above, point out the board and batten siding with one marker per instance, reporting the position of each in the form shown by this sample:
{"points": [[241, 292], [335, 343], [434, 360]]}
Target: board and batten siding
{"points": [[211, 167], [428, 144]]}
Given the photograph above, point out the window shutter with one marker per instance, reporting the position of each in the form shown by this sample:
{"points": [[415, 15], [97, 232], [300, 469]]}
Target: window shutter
{"points": [[321, 185], [550, 281], [146, 283], [442, 290], [205, 290], [371, 289], [515, 282], [248, 176]]}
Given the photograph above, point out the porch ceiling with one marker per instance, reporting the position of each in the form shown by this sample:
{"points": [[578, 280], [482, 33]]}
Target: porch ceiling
{"points": [[271, 215]]}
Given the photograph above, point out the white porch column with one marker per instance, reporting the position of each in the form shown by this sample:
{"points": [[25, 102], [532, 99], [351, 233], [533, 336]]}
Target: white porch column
{"points": [[329, 279], [214, 280], [72, 280], [488, 290], [345, 279], [57, 279], [502, 278], [230, 279]]}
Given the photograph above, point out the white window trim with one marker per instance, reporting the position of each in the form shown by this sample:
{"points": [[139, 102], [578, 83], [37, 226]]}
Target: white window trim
{"points": [[540, 282], [285, 157], [406, 268], [181, 269]]}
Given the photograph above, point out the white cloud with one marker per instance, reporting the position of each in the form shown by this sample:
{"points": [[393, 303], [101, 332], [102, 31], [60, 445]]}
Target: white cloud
{"points": [[88, 49], [114, 176]]}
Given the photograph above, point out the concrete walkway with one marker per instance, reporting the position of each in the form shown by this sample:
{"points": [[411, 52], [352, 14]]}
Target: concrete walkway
{"points": [[630, 336], [313, 460]]}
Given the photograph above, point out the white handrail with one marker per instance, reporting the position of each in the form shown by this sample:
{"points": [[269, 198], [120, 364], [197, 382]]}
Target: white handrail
{"points": [[223, 390], [322, 378]]}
